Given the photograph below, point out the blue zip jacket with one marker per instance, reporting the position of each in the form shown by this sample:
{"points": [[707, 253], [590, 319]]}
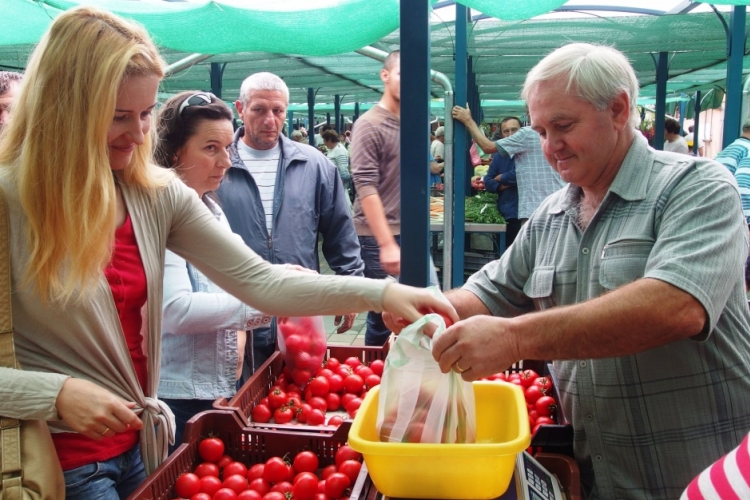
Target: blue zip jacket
{"points": [[507, 199], [309, 198]]}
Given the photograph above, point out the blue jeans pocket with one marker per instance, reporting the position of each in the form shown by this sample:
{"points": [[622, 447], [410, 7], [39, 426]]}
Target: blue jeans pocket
{"points": [[78, 480]]}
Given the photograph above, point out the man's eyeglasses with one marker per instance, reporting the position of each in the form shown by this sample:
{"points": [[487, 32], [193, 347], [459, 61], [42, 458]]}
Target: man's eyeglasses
{"points": [[197, 99]]}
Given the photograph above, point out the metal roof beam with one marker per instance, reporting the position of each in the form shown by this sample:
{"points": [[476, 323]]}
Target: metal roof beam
{"points": [[683, 7], [611, 8]]}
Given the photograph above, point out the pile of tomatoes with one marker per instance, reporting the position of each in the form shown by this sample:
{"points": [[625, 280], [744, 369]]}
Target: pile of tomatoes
{"points": [[219, 477], [303, 345], [537, 391], [334, 386]]}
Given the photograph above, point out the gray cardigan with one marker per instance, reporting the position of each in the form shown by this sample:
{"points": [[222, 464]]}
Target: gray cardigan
{"points": [[85, 340]]}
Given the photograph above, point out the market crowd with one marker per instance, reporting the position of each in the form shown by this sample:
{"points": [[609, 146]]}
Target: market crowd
{"points": [[153, 247]]}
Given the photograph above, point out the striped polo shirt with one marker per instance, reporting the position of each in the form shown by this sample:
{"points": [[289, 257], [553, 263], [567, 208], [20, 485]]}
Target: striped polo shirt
{"points": [[263, 166]]}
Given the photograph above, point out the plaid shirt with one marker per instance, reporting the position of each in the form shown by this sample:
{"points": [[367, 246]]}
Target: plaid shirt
{"points": [[535, 177], [644, 424]]}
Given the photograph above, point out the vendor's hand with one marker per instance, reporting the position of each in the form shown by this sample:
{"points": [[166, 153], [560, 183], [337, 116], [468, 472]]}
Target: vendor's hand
{"points": [[346, 324], [462, 114], [476, 347], [407, 304], [390, 259], [94, 411]]}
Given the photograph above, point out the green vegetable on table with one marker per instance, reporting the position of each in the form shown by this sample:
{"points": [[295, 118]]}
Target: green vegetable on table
{"points": [[482, 209]]}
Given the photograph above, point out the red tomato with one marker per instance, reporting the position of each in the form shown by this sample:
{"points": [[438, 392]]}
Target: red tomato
{"points": [[276, 398], [318, 347], [293, 401], [353, 406], [321, 496], [276, 470], [332, 364], [235, 468], [318, 404], [274, 495], [515, 381], [201, 496], [210, 484], [249, 495], [545, 384], [283, 415], [544, 421], [532, 394], [345, 453], [187, 485], [236, 483], [297, 343], [301, 376], [528, 377], [206, 469], [323, 372], [225, 494], [336, 484], [316, 417], [546, 406], [319, 386], [305, 461], [304, 474], [224, 461], [364, 371], [303, 360], [498, 376], [354, 384], [260, 485], [372, 380], [255, 472], [335, 383], [305, 488], [377, 367], [333, 400], [302, 413], [346, 398], [335, 420], [353, 362], [264, 401], [534, 414], [211, 449], [350, 468], [293, 388], [344, 371], [327, 471], [282, 487]]}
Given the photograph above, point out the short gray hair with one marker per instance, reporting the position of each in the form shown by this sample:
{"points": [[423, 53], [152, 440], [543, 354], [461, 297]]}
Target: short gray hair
{"points": [[746, 126], [597, 73], [440, 131], [262, 81], [296, 134]]}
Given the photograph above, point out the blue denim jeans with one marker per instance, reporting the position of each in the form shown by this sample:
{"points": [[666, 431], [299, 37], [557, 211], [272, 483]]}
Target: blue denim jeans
{"points": [[184, 410], [112, 479], [377, 334]]}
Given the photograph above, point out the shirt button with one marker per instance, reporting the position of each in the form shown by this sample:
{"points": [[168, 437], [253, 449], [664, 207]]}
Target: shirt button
{"points": [[583, 364], [589, 417], [599, 458], [585, 251]]}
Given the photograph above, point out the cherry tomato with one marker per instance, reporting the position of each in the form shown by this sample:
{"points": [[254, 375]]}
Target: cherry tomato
{"points": [[319, 386], [544, 421], [333, 400], [276, 470], [546, 406], [302, 412], [283, 415], [260, 485], [293, 389], [255, 471], [274, 495], [336, 484], [372, 380], [301, 376], [363, 371], [303, 360], [207, 469], [323, 372], [353, 406], [544, 384], [327, 471], [350, 468], [532, 394], [354, 384], [318, 347], [305, 461], [377, 366], [335, 383], [236, 483], [211, 449], [316, 417], [346, 453], [233, 468], [225, 494], [318, 404], [224, 461], [249, 495], [335, 420], [297, 343], [528, 377], [498, 376], [344, 371], [210, 484], [346, 398], [187, 485], [332, 364], [201, 496], [352, 361], [305, 488], [276, 398], [282, 487], [321, 496]]}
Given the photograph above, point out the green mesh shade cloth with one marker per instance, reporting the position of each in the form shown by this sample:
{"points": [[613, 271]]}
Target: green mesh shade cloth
{"points": [[724, 2], [513, 10]]}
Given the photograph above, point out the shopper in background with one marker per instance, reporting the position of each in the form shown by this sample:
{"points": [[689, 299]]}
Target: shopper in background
{"points": [[280, 195], [501, 179], [673, 141], [91, 218], [338, 155], [437, 147], [641, 312]]}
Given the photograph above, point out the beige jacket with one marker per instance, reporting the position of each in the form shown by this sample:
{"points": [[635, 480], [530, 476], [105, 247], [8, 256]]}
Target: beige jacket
{"points": [[86, 340]]}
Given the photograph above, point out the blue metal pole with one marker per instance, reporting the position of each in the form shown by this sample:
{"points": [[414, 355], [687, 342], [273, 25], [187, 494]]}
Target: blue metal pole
{"points": [[290, 121], [662, 73], [683, 107], [461, 147], [356, 112], [337, 112], [311, 115], [415, 144], [736, 51], [216, 74], [696, 124]]}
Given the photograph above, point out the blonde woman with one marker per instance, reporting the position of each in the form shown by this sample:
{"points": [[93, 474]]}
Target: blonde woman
{"points": [[91, 218]]}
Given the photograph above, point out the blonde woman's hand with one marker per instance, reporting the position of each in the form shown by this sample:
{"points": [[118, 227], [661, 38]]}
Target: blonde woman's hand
{"points": [[295, 267], [94, 411], [407, 304]]}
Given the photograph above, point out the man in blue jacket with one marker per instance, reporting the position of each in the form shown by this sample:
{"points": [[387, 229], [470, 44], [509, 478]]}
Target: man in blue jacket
{"points": [[279, 194], [501, 179]]}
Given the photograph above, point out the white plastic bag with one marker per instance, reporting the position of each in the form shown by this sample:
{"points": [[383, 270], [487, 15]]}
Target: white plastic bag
{"points": [[303, 344], [418, 403]]}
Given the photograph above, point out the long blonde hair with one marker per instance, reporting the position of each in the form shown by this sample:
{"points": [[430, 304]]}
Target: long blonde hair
{"points": [[56, 146]]}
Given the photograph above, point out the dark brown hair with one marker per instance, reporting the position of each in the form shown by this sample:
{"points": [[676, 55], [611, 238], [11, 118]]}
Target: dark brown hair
{"points": [[330, 135]]}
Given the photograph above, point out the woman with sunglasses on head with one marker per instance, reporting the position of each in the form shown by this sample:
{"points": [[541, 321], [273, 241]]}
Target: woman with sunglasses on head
{"points": [[91, 218], [203, 339]]}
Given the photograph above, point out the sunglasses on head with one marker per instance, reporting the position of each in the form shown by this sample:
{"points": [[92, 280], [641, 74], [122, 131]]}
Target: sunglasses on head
{"points": [[197, 99]]}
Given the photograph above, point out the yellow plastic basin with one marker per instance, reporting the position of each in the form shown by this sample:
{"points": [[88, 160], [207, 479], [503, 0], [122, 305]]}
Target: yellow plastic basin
{"points": [[456, 471]]}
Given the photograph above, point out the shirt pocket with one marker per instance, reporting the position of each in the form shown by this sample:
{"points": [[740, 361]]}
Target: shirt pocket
{"points": [[540, 287], [624, 261]]}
